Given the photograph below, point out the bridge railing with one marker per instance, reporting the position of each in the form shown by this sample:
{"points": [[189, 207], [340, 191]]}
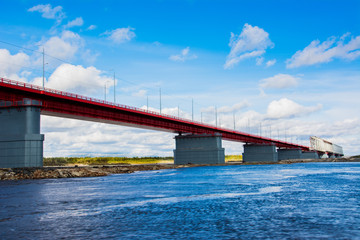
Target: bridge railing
{"points": [[95, 100], [90, 99]]}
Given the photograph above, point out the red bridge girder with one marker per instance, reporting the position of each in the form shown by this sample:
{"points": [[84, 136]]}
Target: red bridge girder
{"points": [[68, 105]]}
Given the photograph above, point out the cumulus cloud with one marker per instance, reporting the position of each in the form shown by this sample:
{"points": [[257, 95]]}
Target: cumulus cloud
{"points": [[279, 81], [67, 137], [49, 12], [251, 42], [63, 47], [78, 22], [183, 56], [270, 63], [285, 108], [78, 79], [121, 35], [11, 65], [326, 51]]}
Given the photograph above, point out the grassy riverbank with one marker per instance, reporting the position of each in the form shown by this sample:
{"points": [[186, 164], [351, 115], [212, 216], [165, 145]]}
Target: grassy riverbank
{"points": [[71, 161]]}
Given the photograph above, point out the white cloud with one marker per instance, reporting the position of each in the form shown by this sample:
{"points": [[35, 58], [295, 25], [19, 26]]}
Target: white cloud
{"points": [[10, 65], [270, 63], [78, 79], [285, 108], [326, 51], [63, 47], [183, 56], [234, 108], [92, 27], [252, 42], [67, 137], [279, 81], [78, 22], [49, 12], [121, 35]]}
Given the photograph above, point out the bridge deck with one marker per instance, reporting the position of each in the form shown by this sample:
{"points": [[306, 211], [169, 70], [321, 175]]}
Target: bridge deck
{"points": [[74, 106]]}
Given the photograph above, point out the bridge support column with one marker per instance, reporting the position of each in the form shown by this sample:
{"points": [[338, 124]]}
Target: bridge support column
{"points": [[260, 153], [285, 154], [310, 155], [21, 144], [199, 149]]}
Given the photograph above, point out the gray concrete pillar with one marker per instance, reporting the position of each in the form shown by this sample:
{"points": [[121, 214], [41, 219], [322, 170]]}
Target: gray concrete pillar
{"points": [[310, 155], [260, 153], [21, 144], [199, 149], [285, 154]]}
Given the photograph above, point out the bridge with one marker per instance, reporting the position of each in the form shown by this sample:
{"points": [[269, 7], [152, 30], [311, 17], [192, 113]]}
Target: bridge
{"points": [[21, 143]]}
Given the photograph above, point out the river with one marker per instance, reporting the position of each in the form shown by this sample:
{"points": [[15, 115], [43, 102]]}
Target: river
{"points": [[296, 201]]}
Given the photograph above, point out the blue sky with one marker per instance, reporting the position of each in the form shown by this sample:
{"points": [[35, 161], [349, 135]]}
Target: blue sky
{"points": [[289, 68]]}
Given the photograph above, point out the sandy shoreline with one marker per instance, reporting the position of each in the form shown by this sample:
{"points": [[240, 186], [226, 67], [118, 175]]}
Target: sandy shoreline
{"points": [[97, 171]]}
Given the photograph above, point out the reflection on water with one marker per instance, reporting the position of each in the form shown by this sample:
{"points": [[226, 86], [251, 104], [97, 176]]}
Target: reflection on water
{"points": [[297, 201]]}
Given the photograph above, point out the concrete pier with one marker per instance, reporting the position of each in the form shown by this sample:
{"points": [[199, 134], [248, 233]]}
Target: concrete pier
{"points": [[199, 149], [260, 153], [21, 144], [310, 155], [285, 154]]}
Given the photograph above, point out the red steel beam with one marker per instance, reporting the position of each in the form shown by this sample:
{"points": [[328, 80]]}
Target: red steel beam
{"points": [[68, 105]]}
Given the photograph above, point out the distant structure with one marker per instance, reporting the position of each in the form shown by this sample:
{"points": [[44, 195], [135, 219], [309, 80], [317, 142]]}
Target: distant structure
{"points": [[324, 147]]}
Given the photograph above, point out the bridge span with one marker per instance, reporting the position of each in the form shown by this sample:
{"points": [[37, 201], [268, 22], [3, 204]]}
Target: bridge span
{"points": [[17, 97]]}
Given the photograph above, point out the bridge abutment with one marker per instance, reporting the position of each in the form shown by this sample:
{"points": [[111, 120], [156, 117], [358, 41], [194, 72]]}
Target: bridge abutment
{"points": [[199, 149], [21, 144]]}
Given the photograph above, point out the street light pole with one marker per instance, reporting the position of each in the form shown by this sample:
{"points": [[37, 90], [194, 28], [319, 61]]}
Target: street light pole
{"points": [[215, 116], [160, 99], [105, 91], [114, 88], [43, 79], [234, 120], [192, 109]]}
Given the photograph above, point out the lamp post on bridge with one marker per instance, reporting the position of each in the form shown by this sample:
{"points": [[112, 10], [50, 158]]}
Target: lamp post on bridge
{"points": [[105, 90], [234, 119], [160, 98], [43, 79], [114, 89], [192, 109], [114, 79], [216, 116], [43, 67]]}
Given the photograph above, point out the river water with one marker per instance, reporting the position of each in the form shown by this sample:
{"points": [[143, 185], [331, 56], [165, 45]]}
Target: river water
{"points": [[297, 201]]}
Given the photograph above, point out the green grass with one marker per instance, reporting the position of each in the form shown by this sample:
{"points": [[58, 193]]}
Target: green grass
{"points": [[232, 158], [64, 161], [70, 161]]}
